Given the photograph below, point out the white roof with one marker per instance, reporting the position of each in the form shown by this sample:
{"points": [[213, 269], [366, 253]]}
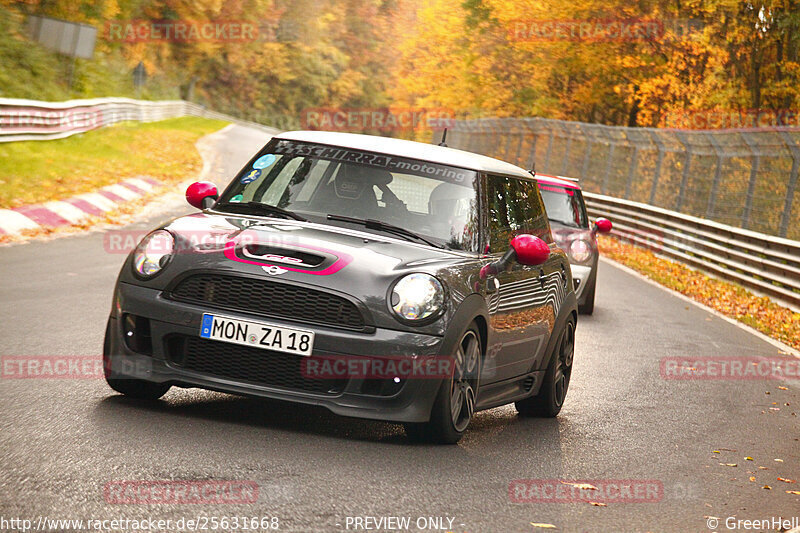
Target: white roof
{"points": [[411, 149]]}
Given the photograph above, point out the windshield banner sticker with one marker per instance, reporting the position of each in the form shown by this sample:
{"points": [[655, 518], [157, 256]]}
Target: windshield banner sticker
{"points": [[391, 163]]}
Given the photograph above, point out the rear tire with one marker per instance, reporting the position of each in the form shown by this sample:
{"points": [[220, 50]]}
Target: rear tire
{"points": [[455, 402], [551, 396]]}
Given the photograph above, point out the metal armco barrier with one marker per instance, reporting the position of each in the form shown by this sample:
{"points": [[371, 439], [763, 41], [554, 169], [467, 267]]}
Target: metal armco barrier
{"points": [[655, 184], [763, 263], [27, 120], [748, 178]]}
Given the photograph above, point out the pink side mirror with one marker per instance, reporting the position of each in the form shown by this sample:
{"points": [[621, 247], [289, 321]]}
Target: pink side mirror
{"points": [[201, 194], [603, 225], [530, 250], [525, 249]]}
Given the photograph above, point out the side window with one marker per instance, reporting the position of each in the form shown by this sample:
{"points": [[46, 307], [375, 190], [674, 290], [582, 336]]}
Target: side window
{"points": [[514, 207]]}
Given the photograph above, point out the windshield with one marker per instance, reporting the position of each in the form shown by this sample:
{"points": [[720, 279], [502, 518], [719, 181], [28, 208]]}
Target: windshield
{"points": [[564, 205], [434, 201]]}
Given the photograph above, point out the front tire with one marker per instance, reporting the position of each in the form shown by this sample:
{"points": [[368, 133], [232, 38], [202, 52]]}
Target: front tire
{"points": [[455, 402], [551, 396], [137, 388]]}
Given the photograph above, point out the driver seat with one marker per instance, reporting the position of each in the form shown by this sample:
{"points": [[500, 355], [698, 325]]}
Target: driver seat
{"points": [[352, 191]]}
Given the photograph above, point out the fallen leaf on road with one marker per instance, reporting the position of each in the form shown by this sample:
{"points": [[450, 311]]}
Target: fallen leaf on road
{"points": [[729, 464], [581, 486], [543, 526], [748, 458], [599, 504], [786, 480], [793, 492], [752, 478], [778, 460], [715, 451], [767, 487], [781, 387], [763, 468]]}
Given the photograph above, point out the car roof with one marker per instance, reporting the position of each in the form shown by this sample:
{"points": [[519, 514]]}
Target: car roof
{"points": [[558, 181], [411, 149]]}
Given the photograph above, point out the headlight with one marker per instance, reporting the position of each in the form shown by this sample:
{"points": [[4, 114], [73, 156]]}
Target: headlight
{"points": [[417, 297], [153, 253], [580, 251]]}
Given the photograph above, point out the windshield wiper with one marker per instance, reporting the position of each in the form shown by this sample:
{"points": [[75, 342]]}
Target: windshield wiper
{"points": [[258, 208], [384, 226]]}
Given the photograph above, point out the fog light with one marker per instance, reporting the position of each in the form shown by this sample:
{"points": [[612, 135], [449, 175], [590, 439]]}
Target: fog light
{"points": [[137, 334]]}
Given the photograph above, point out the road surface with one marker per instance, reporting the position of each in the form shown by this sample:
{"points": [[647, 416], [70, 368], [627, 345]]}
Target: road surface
{"points": [[63, 440]]}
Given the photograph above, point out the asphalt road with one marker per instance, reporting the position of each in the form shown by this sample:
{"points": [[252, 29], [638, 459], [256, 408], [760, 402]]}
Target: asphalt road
{"points": [[63, 440]]}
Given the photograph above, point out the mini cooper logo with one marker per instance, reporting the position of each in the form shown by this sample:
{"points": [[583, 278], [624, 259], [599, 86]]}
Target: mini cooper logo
{"points": [[274, 270]]}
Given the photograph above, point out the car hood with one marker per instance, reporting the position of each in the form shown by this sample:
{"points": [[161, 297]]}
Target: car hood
{"points": [[345, 261], [563, 235]]}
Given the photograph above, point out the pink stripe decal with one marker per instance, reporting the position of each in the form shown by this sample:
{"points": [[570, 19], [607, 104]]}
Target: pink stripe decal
{"points": [[555, 181], [131, 187], [342, 260], [42, 216], [84, 206], [111, 196]]}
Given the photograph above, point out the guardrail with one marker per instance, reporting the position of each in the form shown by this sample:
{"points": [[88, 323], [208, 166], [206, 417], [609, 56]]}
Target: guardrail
{"points": [[27, 120], [746, 178], [765, 264]]}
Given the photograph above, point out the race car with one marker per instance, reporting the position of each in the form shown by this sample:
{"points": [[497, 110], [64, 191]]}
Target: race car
{"points": [[380, 278], [569, 223]]}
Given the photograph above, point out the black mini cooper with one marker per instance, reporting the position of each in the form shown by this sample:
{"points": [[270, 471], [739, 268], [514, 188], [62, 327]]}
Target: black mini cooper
{"points": [[380, 278]]}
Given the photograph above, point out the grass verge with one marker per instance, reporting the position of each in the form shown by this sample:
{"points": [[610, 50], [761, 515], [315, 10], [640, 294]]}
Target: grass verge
{"points": [[730, 299], [38, 171]]}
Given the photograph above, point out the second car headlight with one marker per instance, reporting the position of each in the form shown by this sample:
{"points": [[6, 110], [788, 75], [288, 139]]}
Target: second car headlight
{"points": [[580, 250], [417, 297], [153, 253]]}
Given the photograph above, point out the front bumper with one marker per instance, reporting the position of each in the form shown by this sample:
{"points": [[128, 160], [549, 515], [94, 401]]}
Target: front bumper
{"points": [[409, 401], [582, 277]]}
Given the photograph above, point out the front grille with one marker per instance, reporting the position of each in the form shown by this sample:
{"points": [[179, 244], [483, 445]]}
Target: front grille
{"points": [[245, 364], [269, 298]]}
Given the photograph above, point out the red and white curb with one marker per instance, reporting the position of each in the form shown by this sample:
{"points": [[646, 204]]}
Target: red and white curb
{"points": [[74, 210]]}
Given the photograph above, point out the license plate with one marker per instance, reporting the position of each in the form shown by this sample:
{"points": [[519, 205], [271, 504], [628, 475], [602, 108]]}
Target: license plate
{"points": [[257, 334]]}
